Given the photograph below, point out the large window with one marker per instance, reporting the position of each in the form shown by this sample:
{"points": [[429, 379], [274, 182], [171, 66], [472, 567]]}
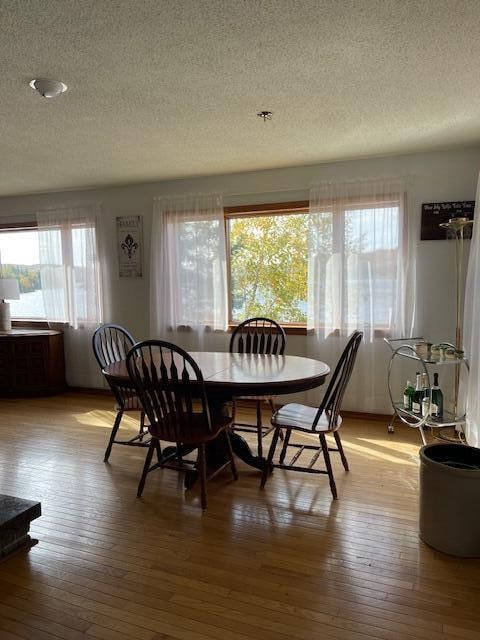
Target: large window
{"points": [[19, 259], [330, 265], [268, 260], [370, 246], [56, 264], [341, 261]]}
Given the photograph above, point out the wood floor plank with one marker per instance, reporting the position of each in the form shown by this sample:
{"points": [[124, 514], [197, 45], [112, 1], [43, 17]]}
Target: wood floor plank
{"points": [[285, 563]]}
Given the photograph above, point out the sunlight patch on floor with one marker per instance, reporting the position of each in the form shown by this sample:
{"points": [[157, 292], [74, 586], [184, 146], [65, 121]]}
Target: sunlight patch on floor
{"points": [[105, 419], [395, 451], [392, 451]]}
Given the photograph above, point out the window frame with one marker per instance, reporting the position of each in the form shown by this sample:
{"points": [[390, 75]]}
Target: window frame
{"points": [[349, 203], [26, 225], [256, 211], [67, 261], [292, 208]]}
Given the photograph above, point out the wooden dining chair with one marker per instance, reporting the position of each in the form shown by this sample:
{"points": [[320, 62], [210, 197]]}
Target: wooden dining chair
{"points": [[111, 343], [320, 421], [172, 391], [261, 336]]}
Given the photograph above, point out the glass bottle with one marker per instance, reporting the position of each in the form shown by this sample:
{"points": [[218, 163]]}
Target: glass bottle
{"points": [[418, 395], [437, 399], [408, 394], [425, 396]]}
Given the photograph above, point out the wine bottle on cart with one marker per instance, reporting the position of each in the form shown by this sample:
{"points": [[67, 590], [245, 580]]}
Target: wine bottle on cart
{"points": [[426, 410], [437, 399], [418, 395], [408, 394]]}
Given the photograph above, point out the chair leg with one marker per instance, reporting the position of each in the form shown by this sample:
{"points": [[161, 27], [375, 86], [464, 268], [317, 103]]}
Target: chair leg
{"points": [[259, 429], [273, 409], [179, 454], [268, 463], [115, 428], [336, 435], [202, 472], [142, 422], [233, 466], [146, 467], [159, 451], [328, 464], [285, 445]]}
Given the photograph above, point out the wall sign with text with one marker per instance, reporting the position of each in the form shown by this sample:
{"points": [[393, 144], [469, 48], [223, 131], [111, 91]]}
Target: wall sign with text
{"points": [[129, 246], [433, 213]]}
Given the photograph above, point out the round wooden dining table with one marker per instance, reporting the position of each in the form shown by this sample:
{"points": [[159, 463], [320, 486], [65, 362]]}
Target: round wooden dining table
{"points": [[227, 375]]}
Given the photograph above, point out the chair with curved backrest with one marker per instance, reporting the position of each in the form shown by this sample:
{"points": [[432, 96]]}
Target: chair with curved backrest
{"points": [[320, 421], [172, 391], [111, 343], [257, 335]]}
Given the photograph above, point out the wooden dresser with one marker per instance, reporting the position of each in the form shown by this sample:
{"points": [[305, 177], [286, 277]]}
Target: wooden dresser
{"points": [[31, 362]]}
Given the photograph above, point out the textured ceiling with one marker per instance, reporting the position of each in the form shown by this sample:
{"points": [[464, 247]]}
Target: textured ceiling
{"points": [[164, 89]]}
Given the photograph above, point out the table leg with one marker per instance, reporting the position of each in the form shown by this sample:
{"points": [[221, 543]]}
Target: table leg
{"points": [[242, 450], [216, 450]]}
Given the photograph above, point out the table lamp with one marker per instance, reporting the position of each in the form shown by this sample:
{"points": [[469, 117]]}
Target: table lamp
{"points": [[9, 290]]}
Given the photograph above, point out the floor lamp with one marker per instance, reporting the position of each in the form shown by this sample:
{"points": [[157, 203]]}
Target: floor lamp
{"points": [[457, 226]]}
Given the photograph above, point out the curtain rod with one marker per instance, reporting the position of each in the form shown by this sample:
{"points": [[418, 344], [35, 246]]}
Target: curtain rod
{"points": [[259, 193], [316, 183]]}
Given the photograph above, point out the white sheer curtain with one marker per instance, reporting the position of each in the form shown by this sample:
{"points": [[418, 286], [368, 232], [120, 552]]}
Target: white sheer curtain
{"points": [[471, 333], [71, 284], [69, 265], [360, 269], [188, 266]]}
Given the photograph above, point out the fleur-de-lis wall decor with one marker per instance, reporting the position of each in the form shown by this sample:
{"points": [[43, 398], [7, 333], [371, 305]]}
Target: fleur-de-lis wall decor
{"points": [[129, 246]]}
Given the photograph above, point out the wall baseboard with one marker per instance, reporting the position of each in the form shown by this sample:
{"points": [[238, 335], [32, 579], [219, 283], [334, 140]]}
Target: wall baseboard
{"points": [[90, 391], [359, 415]]}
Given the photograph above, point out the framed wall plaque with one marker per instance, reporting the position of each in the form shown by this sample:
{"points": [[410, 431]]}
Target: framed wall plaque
{"points": [[129, 246], [433, 213]]}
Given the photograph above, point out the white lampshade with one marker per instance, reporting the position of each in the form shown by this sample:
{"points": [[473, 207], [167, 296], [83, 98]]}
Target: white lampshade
{"points": [[9, 289]]}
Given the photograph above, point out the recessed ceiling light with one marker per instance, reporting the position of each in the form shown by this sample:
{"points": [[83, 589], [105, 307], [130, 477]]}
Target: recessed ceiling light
{"points": [[266, 115], [48, 88]]}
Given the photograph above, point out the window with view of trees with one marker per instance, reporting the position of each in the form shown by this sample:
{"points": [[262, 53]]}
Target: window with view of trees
{"points": [[349, 253], [53, 266], [268, 267], [19, 258]]}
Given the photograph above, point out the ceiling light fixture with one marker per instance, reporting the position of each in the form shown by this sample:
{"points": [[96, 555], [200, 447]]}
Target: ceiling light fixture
{"points": [[48, 88], [266, 115]]}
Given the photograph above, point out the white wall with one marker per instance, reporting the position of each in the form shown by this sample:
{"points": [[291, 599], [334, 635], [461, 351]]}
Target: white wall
{"points": [[439, 176]]}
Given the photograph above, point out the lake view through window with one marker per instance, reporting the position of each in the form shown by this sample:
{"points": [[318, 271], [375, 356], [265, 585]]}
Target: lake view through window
{"points": [[19, 259]]}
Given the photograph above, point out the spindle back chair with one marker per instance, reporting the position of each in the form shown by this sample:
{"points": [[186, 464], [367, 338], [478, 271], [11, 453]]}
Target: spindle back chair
{"points": [[259, 336], [172, 392], [323, 420], [111, 343]]}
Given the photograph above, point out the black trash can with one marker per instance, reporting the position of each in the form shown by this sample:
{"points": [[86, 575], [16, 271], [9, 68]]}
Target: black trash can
{"points": [[450, 498]]}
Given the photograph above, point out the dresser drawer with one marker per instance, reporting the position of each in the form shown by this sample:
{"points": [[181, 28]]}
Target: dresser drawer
{"points": [[31, 363]]}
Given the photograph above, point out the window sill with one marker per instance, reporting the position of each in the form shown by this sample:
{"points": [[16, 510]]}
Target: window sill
{"points": [[31, 323], [377, 333], [301, 330], [290, 329]]}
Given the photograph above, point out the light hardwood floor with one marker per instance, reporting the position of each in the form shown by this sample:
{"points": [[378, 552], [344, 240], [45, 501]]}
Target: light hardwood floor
{"points": [[283, 563]]}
